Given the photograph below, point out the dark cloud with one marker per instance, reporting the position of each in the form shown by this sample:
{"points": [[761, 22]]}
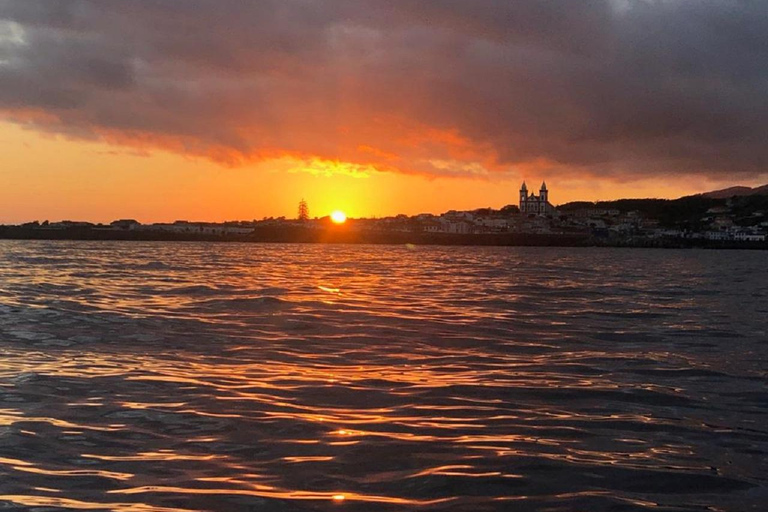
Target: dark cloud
{"points": [[606, 87]]}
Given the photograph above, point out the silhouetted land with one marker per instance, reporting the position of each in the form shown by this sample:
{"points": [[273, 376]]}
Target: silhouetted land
{"points": [[685, 212], [289, 234], [341, 235], [733, 218]]}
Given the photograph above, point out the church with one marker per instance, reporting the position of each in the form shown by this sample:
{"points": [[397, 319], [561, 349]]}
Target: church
{"points": [[534, 204]]}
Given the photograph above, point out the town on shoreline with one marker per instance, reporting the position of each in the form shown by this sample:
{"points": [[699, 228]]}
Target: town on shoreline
{"points": [[732, 218]]}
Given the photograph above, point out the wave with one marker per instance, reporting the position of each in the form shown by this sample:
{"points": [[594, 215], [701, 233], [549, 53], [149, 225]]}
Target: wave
{"points": [[225, 377]]}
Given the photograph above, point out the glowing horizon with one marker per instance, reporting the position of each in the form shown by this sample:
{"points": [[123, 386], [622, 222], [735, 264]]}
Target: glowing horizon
{"points": [[51, 178]]}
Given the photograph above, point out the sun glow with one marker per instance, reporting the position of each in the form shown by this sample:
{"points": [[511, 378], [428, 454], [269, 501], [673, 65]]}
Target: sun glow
{"points": [[338, 217]]}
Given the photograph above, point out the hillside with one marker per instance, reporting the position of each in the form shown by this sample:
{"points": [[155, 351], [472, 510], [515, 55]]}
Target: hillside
{"points": [[686, 211], [745, 204], [736, 192]]}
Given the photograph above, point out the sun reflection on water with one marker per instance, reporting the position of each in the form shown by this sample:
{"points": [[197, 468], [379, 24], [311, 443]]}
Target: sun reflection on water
{"points": [[359, 378]]}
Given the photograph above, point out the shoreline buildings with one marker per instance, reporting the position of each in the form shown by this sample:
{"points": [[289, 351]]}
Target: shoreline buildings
{"points": [[688, 221]]}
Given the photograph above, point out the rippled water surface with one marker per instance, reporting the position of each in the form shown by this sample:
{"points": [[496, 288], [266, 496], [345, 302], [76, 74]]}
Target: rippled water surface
{"points": [[140, 377]]}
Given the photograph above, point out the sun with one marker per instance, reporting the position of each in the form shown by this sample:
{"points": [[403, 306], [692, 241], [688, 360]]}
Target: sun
{"points": [[339, 217]]}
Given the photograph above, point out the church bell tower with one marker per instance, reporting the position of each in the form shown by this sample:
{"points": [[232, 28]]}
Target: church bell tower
{"points": [[523, 197]]}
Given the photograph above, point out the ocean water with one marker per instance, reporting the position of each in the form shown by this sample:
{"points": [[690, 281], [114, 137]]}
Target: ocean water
{"points": [[179, 376]]}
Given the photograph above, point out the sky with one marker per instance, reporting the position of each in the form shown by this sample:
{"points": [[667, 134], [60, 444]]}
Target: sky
{"points": [[161, 110]]}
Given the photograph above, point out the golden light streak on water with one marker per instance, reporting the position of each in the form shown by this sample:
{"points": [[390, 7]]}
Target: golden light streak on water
{"points": [[48, 501], [53, 472], [264, 491]]}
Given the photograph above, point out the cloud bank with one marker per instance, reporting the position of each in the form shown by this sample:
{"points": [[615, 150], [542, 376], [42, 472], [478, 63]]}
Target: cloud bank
{"points": [[613, 88]]}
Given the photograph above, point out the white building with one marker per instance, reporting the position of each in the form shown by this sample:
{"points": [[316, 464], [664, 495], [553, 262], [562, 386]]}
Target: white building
{"points": [[743, 236], [533, 204], [717, 235]]}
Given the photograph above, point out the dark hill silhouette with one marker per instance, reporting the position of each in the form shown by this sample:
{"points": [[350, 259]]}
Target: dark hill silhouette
{"points": [[727, 193], [684, 212]]}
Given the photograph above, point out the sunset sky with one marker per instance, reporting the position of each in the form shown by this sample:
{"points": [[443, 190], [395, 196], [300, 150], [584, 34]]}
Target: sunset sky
{"points": [[232, 109]]}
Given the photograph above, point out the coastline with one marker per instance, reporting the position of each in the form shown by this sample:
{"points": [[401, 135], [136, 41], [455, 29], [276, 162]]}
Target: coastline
{"points": [[345, 236]]}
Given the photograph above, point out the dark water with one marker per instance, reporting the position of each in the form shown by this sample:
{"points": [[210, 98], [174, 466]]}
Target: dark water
{"points": [[142, 377]]}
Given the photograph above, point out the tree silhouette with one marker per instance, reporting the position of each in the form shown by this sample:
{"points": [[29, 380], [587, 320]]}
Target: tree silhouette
{"points": [[303, 211]]}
